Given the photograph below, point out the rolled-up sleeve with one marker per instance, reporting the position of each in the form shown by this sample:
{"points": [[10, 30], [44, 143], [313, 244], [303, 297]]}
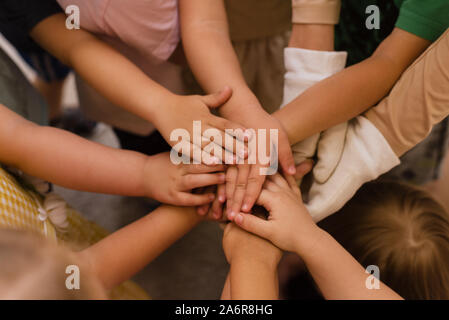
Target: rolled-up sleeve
{"points": [[316, 11]]}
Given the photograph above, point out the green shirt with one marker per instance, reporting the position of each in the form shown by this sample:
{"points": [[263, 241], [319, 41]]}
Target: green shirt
{"points": [[427, 19]]}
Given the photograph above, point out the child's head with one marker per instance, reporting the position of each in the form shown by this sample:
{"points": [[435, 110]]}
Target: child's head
{"points": [[403, 231], [33, 268]]}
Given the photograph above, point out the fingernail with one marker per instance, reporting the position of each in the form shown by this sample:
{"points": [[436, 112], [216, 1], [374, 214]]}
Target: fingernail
{"points": [[231, 215], [245, 207], [239, 219], [292, 170], [221, 198]]}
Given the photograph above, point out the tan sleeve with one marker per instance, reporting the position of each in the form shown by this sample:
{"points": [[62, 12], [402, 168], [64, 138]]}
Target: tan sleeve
{"points": [[316, 11], [418, 101]]}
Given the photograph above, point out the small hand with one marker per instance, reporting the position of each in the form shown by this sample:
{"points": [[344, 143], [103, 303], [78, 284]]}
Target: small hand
{"points": [[244, 183], [289, 226], [239, 244], [178, 181], [183, 111]]}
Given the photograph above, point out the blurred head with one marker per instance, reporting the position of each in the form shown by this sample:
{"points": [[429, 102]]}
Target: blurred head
{"points": [[33, 268], [402, 230]]}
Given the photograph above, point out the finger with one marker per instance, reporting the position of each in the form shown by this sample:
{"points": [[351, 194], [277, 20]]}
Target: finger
{"points": [[293, 185], [255, 183], [253, 225], [201, 210], [303, 168], [192, 151], [192, 181], [215, 147], [193, 200], [217, 207], [279, 181], [217, 99], [271, 186], [240, 190], [202, 168], [330, 150], [221, 193], [231, 182], [228, 135], [265, 199], [285, 154]]}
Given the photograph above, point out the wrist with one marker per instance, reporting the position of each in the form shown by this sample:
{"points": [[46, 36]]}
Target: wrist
{"points": [[267, 261], [240, 101], [158, 114], [312, 36], [146, 169], [306, 242]]}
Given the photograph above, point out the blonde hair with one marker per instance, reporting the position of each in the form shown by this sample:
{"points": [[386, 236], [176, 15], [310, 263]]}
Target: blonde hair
{"points": [[402, 230], [32, 268]]}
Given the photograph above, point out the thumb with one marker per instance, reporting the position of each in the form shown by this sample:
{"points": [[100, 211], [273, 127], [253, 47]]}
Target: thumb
{"points": [[303, 168], [216, 100], [253, 224], [330, 150]]}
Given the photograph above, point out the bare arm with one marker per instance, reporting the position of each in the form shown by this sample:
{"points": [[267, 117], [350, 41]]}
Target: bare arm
{"points": [[124, 84], [291, 228], [68, 160], [209, 51], [254, 261], [124, 253], [338, 274], [353, 90]]}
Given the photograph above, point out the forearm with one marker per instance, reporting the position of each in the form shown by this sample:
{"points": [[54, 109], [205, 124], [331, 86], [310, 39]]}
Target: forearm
{"points": [[124, 253], [312, 37], [251, 279], [210, 53], [68, 160], [351, 91], [338, 275], [105, 69]]}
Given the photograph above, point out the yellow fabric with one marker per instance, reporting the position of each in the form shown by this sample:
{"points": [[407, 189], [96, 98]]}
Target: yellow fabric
{"points": [[19, 211], [19, 208]]}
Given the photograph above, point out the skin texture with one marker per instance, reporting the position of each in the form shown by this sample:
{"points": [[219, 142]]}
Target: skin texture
{"points": [[211, 56], [291, 228], [73, 162], [251, 259], [92, 60]]}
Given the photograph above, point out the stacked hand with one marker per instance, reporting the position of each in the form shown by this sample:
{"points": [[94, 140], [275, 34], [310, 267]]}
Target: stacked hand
{"points": [[177, 120], [180, 181]]}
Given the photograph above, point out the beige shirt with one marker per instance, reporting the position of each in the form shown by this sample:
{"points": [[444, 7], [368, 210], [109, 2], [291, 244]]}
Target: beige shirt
{"points": [[254, 19]]}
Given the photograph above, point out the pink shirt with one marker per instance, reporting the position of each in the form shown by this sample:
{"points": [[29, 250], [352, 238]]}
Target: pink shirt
{"points": [[150, 26]]}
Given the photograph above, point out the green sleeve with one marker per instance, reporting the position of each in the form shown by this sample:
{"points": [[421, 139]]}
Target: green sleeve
{"points": [[427, 19]]}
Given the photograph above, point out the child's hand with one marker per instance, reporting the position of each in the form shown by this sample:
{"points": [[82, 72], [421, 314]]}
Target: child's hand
{"points": [[172, 184], [183, 111], [289, 226], [245, 181], [239, 244]]}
